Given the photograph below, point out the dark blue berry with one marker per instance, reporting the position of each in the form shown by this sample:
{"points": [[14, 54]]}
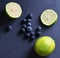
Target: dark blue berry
{"points": [[29, 29], [9, 27], [32, 37], [28, 20], [38, 28], [29, 24], [24, 26], [27, 35], [38, 33], [24, 21], [32, 34], [22, 30], [29, 16]]}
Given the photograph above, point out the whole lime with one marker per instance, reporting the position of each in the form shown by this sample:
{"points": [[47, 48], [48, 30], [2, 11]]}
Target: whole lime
{"points": [[44, 46]]}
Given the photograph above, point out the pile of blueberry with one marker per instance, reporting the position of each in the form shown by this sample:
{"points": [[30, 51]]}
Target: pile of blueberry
{"points": [[26, 28]]}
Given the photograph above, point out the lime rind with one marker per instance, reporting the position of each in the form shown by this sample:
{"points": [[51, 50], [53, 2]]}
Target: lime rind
{"points": [[49, 17], [41, 48], [8, 14]]}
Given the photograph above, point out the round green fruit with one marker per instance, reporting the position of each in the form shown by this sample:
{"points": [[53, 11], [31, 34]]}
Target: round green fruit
{"points": [[44, 46], [49, 17]]}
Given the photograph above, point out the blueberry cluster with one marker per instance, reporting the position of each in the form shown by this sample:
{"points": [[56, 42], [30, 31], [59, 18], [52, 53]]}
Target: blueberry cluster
{"points": [[27, 28]]}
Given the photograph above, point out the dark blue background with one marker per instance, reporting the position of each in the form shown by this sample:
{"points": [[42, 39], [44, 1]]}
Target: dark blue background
{"points": [[13, 45]]}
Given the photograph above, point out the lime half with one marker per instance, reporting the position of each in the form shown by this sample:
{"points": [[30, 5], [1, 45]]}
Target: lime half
{"points": [[44, 46], [13, 10], [49, 17]]}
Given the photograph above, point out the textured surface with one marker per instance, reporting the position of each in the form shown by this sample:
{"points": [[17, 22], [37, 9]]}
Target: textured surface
{"points": [[13, 45]]}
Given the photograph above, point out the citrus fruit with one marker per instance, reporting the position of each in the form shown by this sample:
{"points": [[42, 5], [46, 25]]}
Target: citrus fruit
{"points": [[13, 10], [49, 17], [44, 46]]}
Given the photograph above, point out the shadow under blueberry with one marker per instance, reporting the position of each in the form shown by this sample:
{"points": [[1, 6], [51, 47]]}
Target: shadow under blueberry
{"points": [[19, 33], [32, 54]]}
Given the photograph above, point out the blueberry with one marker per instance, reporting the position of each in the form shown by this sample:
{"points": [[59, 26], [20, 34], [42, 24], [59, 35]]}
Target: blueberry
{"points": [[32, 37], [9, 27], [29, 29], [32, 33], [29, 24], [23, 21], [28, 20], [38, 28], [27, 35], [22, 30], [38, 33], [24, 26], [29, 16]]}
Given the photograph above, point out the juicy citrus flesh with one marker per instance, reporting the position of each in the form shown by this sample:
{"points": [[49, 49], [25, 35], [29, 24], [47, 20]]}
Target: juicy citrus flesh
{"points": [[48, 17], [44, 46], [13, 9]]}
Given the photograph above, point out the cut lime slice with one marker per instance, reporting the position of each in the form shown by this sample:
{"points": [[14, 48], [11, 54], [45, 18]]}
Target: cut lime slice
{"points": [[49, 17], [13, 10]]}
